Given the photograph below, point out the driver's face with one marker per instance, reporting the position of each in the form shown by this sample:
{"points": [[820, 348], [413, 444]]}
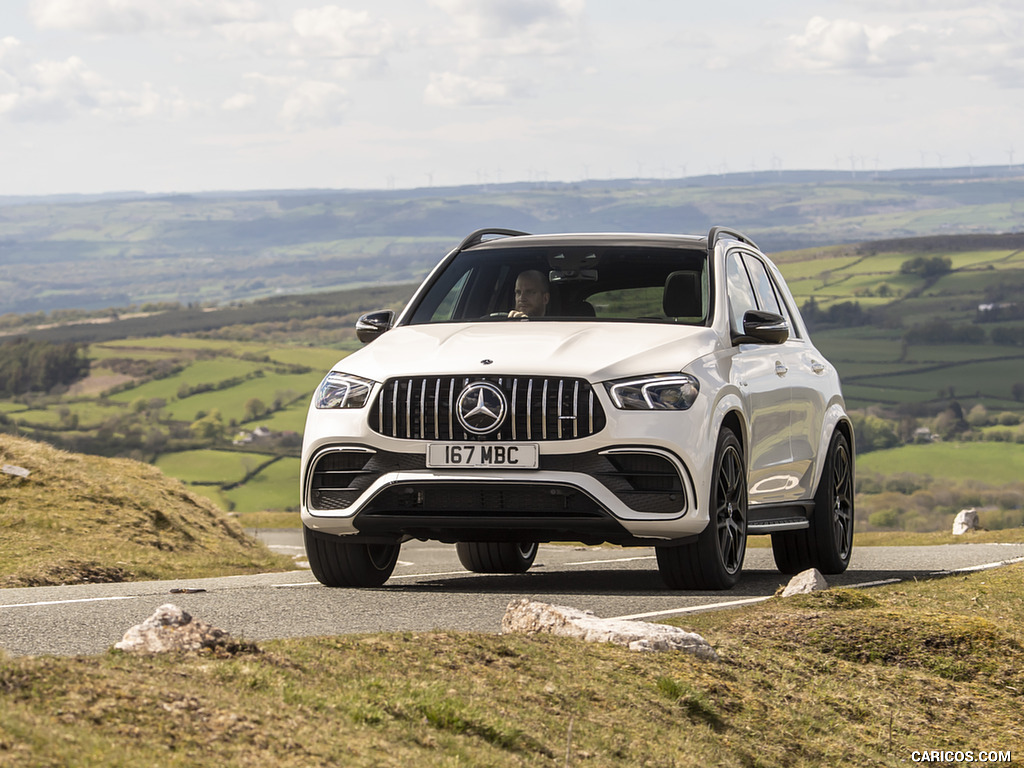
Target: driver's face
{"points": [[531, 298]]}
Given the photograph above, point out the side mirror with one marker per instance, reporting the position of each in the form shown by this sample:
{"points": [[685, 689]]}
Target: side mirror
{"points": [[762, 328], [373, 324]]}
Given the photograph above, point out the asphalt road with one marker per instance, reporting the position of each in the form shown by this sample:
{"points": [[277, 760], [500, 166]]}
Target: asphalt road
{"points": [[429, 590]]}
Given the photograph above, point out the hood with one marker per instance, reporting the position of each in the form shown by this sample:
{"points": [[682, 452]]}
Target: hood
{"points": [[595, 351]]}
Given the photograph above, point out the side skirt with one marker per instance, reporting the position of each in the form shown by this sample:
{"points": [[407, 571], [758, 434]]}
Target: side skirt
{"points": [[779, 518]]}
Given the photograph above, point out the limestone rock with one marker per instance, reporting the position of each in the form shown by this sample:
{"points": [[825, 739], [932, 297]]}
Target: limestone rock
{"points": [[805, 582], [530, 617], [171, 630], [966, 520]]}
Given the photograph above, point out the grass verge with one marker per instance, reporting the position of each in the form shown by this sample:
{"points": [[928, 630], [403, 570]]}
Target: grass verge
{"points": [[79, 519], [843, 677]]}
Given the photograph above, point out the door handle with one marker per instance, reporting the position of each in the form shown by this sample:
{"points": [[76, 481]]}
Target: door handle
{"points": [[780, 369]]}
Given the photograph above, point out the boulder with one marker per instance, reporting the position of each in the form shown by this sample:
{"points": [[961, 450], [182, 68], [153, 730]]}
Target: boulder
{"points": [[529, 617], [172, 630], [966, 520], [805, 582]]}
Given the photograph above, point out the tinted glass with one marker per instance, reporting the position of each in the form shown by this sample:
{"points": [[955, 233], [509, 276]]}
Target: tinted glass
{"points": [[605, 284], [741, 293]]}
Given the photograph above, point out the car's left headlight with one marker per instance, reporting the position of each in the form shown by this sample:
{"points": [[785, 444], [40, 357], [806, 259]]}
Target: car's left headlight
{"points": [[664, 392], [341, 390]]}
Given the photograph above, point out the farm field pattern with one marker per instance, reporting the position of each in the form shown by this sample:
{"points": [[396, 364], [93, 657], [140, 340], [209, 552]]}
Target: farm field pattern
{"points": [[178, 381]]}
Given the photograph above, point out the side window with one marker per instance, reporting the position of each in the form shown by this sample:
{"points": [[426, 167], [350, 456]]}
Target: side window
{"points": [[766, 298], [741, 294], [446, 309], [768, 294]]}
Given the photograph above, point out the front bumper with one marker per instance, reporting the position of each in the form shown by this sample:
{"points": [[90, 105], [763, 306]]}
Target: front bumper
{"points": [[619, 494]]}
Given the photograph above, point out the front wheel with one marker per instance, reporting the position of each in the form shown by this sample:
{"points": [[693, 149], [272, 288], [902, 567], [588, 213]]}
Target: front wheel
{"points": [[336, 562], [496, 556], [715, 559]]}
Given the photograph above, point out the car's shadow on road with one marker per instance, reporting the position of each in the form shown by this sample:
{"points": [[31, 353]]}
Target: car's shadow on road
{"points": [[627, 581]]}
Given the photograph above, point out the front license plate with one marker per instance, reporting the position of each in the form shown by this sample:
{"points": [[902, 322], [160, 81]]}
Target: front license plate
{"points": [[477, 455]]}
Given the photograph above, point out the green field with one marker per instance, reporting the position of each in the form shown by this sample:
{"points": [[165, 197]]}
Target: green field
{"points": [[206, 466], [231, 401], [992, 463], [274, 488], [151, 419], [262, 352]]}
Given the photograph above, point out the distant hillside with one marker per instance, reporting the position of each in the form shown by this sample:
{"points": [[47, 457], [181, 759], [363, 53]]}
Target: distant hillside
{"points": [[86, 519], [103, 251]]}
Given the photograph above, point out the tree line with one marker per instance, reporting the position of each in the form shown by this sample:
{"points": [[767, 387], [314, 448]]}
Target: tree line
{"points": [[39, 366]]}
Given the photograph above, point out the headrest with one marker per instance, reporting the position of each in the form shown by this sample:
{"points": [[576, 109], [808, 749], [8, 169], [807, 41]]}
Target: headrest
{"points": [[682, 296]]}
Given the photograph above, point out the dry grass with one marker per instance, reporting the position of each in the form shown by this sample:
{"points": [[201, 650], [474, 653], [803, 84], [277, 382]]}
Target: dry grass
{"points": [[79, 519], [852, 678]]}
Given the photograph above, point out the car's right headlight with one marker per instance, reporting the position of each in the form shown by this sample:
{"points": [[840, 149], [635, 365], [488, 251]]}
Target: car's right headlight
{"points": [[342, 390], [664, 392]]}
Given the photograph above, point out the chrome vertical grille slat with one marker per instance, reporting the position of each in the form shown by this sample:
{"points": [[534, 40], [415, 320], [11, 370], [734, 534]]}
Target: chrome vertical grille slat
{"points": [[529, 410], [544, 411], [437, 399], [515, 396], [539, 408]]}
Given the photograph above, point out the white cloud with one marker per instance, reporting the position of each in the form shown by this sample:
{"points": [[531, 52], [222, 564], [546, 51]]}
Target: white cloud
{"points": [[517, 27], [332, 31], [506, 49], [838, 44], [51, 90], [976, 43], [238, 102], [135, 16], [314, 104], [449, 89]]}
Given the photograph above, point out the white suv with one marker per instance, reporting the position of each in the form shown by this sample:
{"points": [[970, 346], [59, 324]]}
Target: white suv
{"points": [[643, 390]]}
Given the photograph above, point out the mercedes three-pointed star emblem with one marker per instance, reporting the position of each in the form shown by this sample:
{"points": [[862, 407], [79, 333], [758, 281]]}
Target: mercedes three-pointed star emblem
{"points": [[481, 408]]}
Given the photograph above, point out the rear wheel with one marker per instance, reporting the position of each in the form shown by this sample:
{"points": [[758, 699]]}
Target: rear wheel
{"points": [[828, 543], [715, 559], [496, 556], [832, 528], [336, 562]]}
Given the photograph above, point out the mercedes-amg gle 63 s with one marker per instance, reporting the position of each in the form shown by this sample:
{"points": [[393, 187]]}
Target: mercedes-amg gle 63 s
{"points": [[643, 390]]}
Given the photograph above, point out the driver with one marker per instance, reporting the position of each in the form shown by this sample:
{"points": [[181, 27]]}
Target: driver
{"points": [[532, 294]]}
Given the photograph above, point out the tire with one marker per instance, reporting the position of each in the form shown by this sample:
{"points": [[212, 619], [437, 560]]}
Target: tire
{"points": [[792, 551], [496, 556], [339, 563], [828, 543], [831, 532], [715, 559]]}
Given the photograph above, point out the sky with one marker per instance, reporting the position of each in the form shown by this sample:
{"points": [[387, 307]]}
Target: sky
{"points": [[203, 95]]}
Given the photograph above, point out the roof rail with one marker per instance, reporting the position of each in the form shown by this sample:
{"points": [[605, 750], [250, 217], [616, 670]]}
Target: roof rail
{"points": [[478, 237], [722, 233]]}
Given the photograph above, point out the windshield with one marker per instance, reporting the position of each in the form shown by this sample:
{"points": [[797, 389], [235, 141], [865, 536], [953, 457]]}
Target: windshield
{"points": [[635, 284]]}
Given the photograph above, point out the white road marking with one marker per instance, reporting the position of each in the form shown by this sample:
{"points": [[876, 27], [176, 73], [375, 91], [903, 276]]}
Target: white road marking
{"points": [[694, 608], [613, 560], [985, 567], [752, 600], [79, 600]]}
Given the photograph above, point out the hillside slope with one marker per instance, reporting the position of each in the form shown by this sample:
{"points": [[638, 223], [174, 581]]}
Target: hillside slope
{"points": [[87, 519]]}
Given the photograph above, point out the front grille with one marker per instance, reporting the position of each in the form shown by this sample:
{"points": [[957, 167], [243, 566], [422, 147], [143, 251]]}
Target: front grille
{"points": [[483, 500], [539, 408]]}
